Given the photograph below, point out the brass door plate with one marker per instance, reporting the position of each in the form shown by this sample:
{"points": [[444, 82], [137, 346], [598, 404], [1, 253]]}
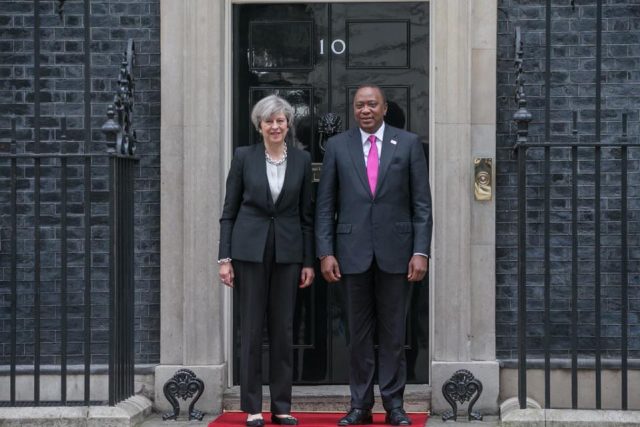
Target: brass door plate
{"points": [[483, 178]]}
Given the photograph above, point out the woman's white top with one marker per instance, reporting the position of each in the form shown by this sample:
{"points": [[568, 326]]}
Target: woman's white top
{"points": [[275, 175]]}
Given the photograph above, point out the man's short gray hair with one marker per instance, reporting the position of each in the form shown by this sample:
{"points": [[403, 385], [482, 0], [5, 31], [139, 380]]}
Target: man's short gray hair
{"points": [[268, 106]]}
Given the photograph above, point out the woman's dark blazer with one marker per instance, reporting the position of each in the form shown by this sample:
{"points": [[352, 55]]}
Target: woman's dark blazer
{"points": [[249, 209]]}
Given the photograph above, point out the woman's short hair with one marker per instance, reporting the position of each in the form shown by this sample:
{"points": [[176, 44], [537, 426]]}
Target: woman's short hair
{"points": [[268, 106]]}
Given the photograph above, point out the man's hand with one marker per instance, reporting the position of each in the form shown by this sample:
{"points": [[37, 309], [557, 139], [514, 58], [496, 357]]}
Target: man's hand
{"points": [[306, 277], [330, 269], [418, 267], [226, 274]]}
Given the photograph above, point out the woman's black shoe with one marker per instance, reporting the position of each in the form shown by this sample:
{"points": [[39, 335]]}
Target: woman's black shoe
{"points": [[258, 422], [284, 421]]}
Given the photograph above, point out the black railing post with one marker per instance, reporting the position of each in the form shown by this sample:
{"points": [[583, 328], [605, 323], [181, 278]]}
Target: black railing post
{"points": [[547, 210], [87, 192], [598, 284], [37, 282], [522, 117], [87, 279], [36, 201], [112, 282], [63, 265], [131, 256], [14, 265], [598, 156], [574, 277], [624, 269]]}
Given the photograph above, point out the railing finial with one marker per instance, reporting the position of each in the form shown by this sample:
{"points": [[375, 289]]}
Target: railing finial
{"points": [[121, 137], [111, 129]]}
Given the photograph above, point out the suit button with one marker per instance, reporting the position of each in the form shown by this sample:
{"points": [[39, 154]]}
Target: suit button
{"points": [[272, 218]]}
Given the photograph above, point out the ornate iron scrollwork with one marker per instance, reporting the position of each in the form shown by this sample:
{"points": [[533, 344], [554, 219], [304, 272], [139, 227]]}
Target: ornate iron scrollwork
{"points": [[184, 385], [461, 387], [517, 62], [121, 138], [330, 124], [522, 116]]}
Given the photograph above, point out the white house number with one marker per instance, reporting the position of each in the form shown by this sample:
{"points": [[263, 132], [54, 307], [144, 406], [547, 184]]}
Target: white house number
{"points": [[338, 47]]}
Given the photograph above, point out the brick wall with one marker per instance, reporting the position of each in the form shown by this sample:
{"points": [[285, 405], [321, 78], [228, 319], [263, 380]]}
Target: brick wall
{"points": [[62, 94], [573, 89], [573, 41]]}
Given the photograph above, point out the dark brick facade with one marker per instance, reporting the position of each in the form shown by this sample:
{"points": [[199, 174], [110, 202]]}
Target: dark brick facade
{"points": [[62, 94], [572, 88]]}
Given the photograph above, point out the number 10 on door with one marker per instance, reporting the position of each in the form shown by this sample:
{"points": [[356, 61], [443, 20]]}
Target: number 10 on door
{"points": [[338, 46]]}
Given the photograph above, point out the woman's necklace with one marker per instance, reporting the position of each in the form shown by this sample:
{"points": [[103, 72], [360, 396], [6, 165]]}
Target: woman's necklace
{"points": [[276, 162]]}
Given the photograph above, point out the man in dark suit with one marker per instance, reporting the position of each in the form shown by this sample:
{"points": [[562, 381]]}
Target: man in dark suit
{"points": [[373, 233]]}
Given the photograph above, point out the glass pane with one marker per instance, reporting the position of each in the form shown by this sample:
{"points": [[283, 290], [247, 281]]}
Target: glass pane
{"points": [[378, 44], [280, 44]]}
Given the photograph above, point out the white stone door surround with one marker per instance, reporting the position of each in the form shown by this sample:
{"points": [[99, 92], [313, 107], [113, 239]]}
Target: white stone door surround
{"points": [[196, 151]]}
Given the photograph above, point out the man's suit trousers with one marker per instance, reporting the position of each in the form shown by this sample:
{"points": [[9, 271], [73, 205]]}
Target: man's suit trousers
{"points": [[377, 303]]}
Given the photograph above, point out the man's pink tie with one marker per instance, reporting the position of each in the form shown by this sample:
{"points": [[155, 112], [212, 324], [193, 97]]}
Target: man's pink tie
{"points": [[372, 164]]}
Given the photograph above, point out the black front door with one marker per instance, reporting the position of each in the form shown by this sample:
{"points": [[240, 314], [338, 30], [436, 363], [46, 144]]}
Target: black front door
{"points": [[315, 56]]}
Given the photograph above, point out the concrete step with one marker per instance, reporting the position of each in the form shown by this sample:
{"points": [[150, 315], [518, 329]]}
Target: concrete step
{"points": [[128, 413], [333, 398], [570, 418], [155, 420]]}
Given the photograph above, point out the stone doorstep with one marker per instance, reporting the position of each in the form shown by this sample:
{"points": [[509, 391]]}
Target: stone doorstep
{"points": [[487, 421], [570, 418], [332, 398], [128, 413]]}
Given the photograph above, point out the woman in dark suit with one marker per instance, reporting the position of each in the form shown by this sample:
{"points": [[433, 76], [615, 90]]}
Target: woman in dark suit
{"points": [[266, 252]]}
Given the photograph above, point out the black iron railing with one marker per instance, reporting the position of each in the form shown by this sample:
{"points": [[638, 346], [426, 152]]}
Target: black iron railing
{"points": [[67, 234], [561, 186], [579, 156], [70, 260], [121, 142], [121, 256], [55, 195]]}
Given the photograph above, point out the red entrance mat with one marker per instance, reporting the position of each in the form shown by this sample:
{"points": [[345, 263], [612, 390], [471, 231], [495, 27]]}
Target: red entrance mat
{"points": [[315, 419]]}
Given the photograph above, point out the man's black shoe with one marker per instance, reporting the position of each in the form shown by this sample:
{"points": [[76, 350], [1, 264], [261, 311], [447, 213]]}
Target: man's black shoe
{"points": [[397, 417], [356, 417]]}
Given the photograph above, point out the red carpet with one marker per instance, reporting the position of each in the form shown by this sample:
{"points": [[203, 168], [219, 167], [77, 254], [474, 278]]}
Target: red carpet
{"points": [[315, 419]]}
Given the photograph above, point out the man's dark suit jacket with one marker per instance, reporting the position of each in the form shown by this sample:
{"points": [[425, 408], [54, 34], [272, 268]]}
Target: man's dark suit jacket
{"points": [[249, 209], [391, 226]]}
